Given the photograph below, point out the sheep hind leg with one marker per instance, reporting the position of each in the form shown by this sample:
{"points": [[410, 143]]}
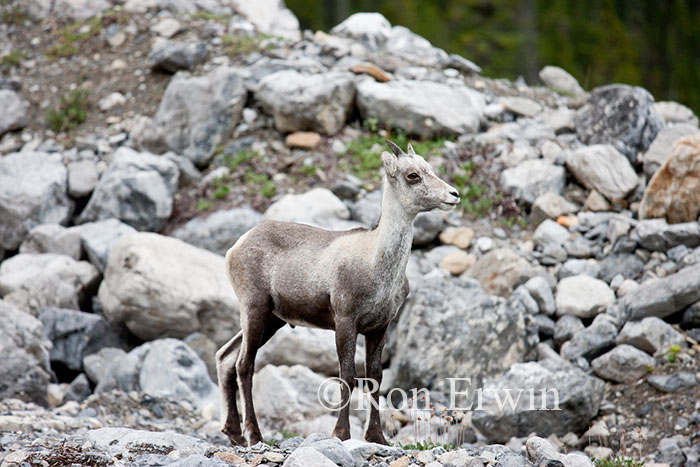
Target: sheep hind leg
{"points": [[257, 329], [226, 358]]}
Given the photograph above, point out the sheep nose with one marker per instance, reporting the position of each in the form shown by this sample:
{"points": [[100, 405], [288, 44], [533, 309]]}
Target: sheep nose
{"points": [[455, 194]]}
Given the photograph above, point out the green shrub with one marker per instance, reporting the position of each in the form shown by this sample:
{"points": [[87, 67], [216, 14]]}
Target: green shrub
{"points": [[71, 111]]}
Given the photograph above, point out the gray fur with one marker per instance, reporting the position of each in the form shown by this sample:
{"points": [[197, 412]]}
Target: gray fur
{"points": [[352, 281]]}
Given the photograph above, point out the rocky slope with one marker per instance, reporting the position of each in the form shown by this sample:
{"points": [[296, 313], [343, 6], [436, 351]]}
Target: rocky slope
{"points": [[140, 139]]}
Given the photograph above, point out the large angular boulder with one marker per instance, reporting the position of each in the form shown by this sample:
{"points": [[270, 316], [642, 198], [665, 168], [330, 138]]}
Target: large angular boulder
{"points": [[76, 334], [270, 17], [14, 111], [602, 168], [621, 115], [137, 188], [33, 191], [53, 238], [32, 282], [160, 286], [97, 239], [592, 341], [623, 364], [454, 328], [660, 149], [674, 190], [652, 335], [24, 365], [219, 231], [532, 178], [320, 102], [658, 235], [525, 399], [197, 114], [662, 297], [423, 108], [164, 368]]}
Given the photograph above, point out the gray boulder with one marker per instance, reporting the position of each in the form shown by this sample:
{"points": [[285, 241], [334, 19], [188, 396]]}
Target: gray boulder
{"points": [[137, 188], [583, 296], [313, 348], [332, 448], [76, 334], [14, 111], [549, 233], [660, 149], [173, 56], [219, 231], [567, 327], [575, 267], [53, 238], [673, 382], [423, 108], [289, 394], [658, 235], [413, 49], [662, 297], [25, 356], [578, 396], [623, 364], [453, 327], [426, 227], [98, 365], [318, 207], [591, 342], [560, 80], [629, 266], [652, 335], [370, 29], [673, 112], [541, 452], [160, 286], [33, 191], [320, 102], [541, 291], [621, 115], [197, 114], [164, 368], [308, 455], [550, 206], [97, 239], [269, 17], [532, 178], [82, 178], [602, 168], [32, 282]]}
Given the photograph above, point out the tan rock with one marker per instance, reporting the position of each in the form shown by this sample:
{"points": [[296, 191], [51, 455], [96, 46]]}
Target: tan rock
{"points": [[401, 462], [567, 221], [373, 70], [303, 139], [500, 270], [459, 236], [673, 192], [596, 202], [229, 457], [457, 262]]}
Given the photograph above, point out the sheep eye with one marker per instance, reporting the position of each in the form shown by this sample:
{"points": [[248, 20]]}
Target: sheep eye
{"points": [[413, 176]]}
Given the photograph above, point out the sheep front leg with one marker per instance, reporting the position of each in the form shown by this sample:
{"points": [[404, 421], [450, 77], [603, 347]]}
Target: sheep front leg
{"points": [[374, 343], [345, 341]]}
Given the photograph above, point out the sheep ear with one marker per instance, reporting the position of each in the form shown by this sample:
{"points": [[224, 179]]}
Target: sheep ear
{"points": [[389, 162], [394, 148], [410, 149]]}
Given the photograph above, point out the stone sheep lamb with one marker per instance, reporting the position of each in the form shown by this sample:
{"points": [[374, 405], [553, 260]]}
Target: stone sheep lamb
{"points": [[351, 281]]}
